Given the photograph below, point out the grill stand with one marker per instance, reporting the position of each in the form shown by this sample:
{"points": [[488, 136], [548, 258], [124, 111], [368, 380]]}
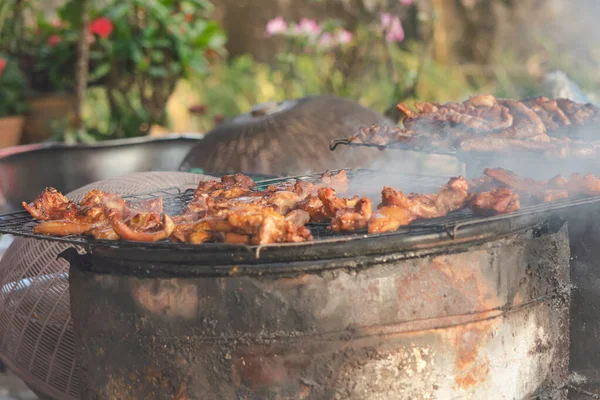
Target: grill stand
{"points": [[488, 320]]}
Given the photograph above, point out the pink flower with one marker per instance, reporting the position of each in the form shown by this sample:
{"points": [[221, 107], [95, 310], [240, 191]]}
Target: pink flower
{"points": [[54, 40], [326, 40], [276, 26], [2, 65], [386, 19], [309, 27], [344, 37], [57, 24], [405, 2], [392, 28]]}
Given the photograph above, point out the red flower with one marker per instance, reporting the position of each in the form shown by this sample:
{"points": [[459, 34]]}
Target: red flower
{"points": [[188, 17], [54, 40], [198, 109], [102, 27], [2, 65]]}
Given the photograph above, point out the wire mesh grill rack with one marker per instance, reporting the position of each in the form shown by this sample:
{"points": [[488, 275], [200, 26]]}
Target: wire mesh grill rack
{"points": [[396, 146], [461, 223]]}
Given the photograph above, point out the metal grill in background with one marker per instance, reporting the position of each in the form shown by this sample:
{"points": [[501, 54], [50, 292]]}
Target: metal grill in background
{"points": [[36, 335]]}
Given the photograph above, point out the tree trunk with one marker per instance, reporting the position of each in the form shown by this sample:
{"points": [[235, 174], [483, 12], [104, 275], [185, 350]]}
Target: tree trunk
{"points": [[82, 66]]}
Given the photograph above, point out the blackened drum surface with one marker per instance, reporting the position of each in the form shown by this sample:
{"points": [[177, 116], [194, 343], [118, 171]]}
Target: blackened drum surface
{"points": [[486, 320]]}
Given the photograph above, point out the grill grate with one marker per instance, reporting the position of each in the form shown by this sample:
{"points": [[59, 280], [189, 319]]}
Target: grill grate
{"points": [[397, 146], [20, 223]]}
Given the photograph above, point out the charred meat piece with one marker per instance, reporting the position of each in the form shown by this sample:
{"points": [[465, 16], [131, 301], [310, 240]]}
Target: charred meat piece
{"points": [[298, 217], [514, 181], [264, 226], [579, 114], [50, 205], [314, 207], [206, 229], [389, 219], [479, 114], [238, 180], [557, 188], [353, 218], [332, 203], [591, 184], [453, 196], [552, 195], [526, 123], [230, 186], [63, 228], [338, 182], [397, 209], [481, 184], [549, 112], [282, 201], [141, 228], [420, 205], [497, 201]]}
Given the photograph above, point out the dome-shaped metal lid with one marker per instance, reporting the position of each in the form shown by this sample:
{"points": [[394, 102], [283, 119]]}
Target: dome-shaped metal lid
{"points": [[286, 138]]}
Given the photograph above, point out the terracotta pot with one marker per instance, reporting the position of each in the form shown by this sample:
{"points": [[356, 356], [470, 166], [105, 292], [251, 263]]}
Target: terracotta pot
{"points": [[43, 110], [11, 129]]}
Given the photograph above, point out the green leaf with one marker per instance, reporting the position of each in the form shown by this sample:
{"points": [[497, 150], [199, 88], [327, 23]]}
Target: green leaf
{"points": [[86, 137], [158, 71], [71, 12], [198, 63], [96, 54], [201, 4], [117, 12], [137, 55], [157, 10], [162, 43], [217, 41], [175, 68], [157, 56], [101, 71], [150, 32]]}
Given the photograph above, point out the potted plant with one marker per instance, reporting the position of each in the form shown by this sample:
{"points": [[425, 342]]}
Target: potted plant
{"points": [[49, 59], [12, 102], [154, 44]]}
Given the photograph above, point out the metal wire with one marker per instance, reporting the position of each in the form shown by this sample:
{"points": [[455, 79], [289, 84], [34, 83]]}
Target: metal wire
{"points": [[395, 145], [21, 223]]}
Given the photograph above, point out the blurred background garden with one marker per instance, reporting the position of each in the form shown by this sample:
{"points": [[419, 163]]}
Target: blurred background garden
{"points": [[147, 67]]}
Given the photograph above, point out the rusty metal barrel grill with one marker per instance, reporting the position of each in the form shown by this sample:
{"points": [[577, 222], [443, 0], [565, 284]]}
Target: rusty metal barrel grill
{"points": [[449, 308]]}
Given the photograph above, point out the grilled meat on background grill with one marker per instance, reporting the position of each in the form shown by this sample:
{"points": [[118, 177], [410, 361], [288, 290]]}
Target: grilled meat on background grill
{"points": [[555, 189], [288, 138], [487, 124]]}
